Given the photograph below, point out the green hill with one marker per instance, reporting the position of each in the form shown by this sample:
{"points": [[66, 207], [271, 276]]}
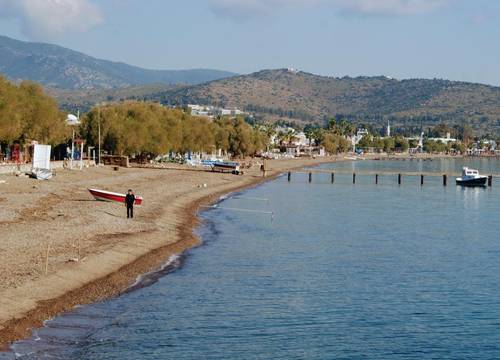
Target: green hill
{"points": [[304, 97]]}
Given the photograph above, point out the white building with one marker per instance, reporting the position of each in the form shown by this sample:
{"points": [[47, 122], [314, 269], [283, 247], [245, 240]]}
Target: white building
{"points": [[201, 110], [300, 139], [213, 111], [444, 140]]}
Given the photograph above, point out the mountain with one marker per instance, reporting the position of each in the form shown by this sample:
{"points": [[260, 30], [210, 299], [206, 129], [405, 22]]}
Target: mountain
{"points": [[59, 67], [299, 96]]}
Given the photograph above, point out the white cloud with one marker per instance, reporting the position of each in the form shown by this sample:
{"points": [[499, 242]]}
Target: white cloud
{"points": [[249, 8], [390, 7], [46, 19]]}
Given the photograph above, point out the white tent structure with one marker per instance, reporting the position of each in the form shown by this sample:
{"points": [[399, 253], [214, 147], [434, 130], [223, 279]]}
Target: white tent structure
{"points": [[74, 120], [41, 162]]}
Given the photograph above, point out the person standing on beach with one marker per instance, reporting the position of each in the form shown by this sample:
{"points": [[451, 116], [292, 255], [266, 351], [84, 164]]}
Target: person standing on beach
{"points": [[129, 203]]}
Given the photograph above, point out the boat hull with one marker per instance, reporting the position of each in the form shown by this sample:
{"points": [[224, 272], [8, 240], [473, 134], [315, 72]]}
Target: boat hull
{"points": [[233, 168], [103, 195], [472, 182]]}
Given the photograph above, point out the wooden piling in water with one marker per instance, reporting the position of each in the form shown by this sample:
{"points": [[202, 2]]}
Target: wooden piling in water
{"points": [[445, 180], [333, 178], [421, 179], [354, 178], [490, 180], [289, 176], [399, 179], [310, 177], [376, 179]]}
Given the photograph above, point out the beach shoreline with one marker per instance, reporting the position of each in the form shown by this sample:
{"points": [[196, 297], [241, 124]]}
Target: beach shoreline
{"points": [[81, 283]]}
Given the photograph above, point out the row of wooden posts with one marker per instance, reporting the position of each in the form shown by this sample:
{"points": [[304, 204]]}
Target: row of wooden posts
{"points": [[400, 179]]}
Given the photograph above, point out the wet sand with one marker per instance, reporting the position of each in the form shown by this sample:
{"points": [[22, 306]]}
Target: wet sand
{"points": [[95, 252]]}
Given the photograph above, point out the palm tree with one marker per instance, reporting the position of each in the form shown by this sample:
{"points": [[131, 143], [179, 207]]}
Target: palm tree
{"points": [[270, 131], [343, 125]]}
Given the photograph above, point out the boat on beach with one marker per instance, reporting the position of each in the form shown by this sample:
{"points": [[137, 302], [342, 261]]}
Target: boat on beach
{"points": [[223, 166], [103, 195], [471, 177]]}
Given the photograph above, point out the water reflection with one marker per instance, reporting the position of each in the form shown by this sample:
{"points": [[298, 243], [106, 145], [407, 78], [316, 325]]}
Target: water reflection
{"points": [[471, 196]]}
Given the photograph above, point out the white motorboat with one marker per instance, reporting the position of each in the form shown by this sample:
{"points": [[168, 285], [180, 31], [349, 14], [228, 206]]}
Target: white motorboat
{"points": [[471, 177]]}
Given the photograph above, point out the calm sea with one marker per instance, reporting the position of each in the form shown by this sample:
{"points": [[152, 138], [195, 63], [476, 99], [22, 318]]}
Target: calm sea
{"points": [[340, 271]]}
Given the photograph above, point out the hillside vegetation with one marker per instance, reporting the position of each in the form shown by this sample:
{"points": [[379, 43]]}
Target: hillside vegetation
{"points": [[304, 97], [84, 100]]}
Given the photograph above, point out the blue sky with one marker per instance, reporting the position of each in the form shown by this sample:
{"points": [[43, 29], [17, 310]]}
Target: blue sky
{"points": [[453, 39]]}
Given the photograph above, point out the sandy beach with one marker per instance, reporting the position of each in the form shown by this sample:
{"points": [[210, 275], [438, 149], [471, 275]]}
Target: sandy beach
{"points": [[94, 251]]}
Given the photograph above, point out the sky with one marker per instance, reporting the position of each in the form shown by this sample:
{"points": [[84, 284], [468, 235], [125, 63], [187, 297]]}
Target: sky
{"points": [[450, 39]]}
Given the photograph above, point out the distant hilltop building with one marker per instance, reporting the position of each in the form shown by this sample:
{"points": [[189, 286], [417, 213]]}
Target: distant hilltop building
{"points": [[213, 111], [292, 70]]}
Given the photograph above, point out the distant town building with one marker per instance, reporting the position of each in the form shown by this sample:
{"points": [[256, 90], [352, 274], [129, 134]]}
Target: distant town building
{"points": [[444, 140], [301, 139], [303, 150], [297, 138], [213, 111]]}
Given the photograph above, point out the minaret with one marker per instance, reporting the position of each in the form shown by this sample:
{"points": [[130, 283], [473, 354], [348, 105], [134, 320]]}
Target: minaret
{"points": [[388, 133]]}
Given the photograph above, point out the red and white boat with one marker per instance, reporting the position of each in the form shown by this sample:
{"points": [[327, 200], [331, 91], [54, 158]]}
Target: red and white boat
{"points": [[104, 195]]}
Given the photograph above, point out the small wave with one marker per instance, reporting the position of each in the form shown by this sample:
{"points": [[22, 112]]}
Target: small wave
{"points": [[173, 263]]}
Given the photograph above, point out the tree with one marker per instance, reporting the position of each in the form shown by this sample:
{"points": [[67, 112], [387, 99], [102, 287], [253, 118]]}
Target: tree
{"points": [[459, 147], [11, 119], [309, 132], [378, 143], [401, 144], [27, 113], [365, 142], [413, 143], [137, 128], [269, 130], [389, 144], [333, 143], [346, 128], [467, 134]]}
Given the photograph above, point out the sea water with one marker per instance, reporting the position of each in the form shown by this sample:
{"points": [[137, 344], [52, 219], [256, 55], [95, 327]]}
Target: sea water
{"points": [[340, 271]]}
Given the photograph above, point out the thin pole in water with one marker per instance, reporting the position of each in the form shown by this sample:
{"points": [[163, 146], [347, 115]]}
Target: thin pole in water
{"points": [[354, 178], [422, 179], [445, 180], [333, 178]]}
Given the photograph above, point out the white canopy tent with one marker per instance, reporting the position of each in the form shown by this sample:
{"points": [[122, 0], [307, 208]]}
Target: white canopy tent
{"points": [[74, 120]]}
